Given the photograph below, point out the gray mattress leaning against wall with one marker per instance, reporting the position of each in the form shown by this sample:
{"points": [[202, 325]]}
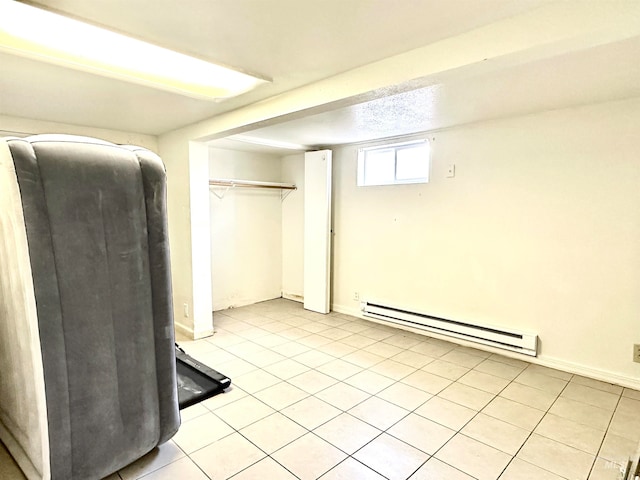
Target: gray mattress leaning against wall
{"points": [[87, 369]]}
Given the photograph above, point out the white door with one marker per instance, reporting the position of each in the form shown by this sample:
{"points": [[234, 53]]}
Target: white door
{"points": [[317, 230]]}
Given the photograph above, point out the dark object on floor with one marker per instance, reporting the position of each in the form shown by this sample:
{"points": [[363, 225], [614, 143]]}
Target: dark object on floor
{"points": [[196, 381]]}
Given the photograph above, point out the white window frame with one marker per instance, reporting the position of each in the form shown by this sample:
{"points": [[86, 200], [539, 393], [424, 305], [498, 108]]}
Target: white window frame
{"points": [[362, 156]]}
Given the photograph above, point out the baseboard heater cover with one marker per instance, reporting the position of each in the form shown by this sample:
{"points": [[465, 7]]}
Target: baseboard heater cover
{"points": [[520, 342], [196, 381]]}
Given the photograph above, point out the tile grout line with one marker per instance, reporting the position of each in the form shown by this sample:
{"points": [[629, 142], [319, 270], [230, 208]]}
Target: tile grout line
{"points": [[606, 431], [342, 411], [459, 431], [533, 430], [409, 412], [396, 380]]}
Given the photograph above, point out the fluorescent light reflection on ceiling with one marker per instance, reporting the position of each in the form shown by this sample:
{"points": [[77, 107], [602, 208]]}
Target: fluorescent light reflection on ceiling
{"points": [[46, 36]]}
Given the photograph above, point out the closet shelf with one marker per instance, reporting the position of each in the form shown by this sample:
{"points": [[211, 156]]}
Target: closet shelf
{"points": [[231, 183]]}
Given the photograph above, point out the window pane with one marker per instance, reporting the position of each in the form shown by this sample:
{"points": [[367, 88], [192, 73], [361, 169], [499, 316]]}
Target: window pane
{"points": [[394, 164], [412, 162], [379, 167]]}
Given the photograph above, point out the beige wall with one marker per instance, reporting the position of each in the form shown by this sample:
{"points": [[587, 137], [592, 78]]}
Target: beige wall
{"points": [[187, 166], [539, 230], [293, 229], [201, 309], [176, 159], [487, 49], [246, 230], [536, 230], [250, 260]]}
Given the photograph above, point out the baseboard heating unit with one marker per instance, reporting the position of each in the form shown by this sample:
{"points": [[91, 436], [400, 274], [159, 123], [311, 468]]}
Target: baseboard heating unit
{"points": [[520, 342]]}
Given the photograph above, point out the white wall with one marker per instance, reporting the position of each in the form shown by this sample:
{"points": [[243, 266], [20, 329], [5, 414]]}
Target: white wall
{"points": [[26, 126], [200, 223], [456, 58], [246, 230], [539, 230], [293, 229]]}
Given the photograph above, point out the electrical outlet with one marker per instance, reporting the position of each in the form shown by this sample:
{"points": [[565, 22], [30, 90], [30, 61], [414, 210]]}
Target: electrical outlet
{"points": [[356, 296], [185, 308], [636, 352], [451, 171]]}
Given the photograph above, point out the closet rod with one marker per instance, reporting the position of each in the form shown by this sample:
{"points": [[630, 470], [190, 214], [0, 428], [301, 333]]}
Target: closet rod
{"points": [[225, 182]]}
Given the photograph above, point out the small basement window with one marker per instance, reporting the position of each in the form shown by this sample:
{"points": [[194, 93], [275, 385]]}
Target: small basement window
{"points": [[394, 164]]}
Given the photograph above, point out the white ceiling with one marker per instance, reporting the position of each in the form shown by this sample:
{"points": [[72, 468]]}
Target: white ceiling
{"points": [[299, 42], [605, 73], [293, 42]]}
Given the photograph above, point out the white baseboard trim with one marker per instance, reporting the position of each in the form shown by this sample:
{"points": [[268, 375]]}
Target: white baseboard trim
{"points": [[183, 329], [293, 296], [586, 371], [190, 333], [354, 312], [203, 333], [542, 360], [243, 302]]}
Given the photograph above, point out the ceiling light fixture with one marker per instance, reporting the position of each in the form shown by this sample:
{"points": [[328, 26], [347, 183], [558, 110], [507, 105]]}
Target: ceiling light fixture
{"points": [[49, 37]]}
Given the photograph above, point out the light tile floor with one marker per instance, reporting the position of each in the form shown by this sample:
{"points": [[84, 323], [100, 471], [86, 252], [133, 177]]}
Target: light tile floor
{"points": [[336, 397]]}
